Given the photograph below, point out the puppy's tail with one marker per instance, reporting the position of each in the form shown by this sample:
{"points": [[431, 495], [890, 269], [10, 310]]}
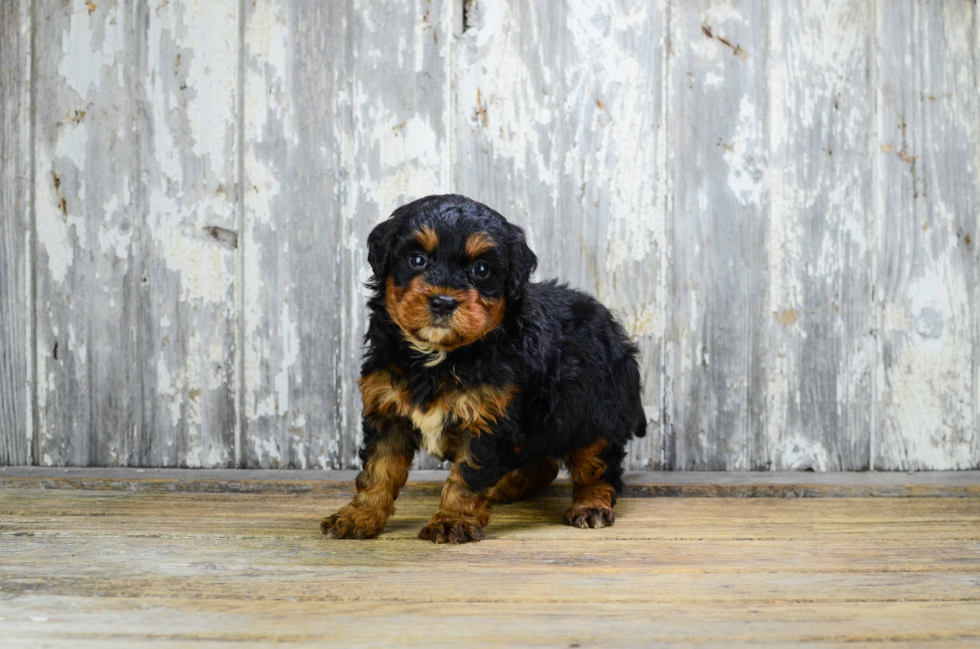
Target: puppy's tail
{"points": [[640, 430]]}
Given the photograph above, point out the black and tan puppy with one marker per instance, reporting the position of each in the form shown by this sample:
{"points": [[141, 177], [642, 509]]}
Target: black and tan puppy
{"points": [[473, 363]]}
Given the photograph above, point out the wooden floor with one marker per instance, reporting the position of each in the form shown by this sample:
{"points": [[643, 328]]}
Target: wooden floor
{"points": [[107, 568]]}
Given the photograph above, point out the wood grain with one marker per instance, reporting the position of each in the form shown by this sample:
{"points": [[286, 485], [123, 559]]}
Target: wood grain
{"points": [[89, 218], [821, 235], [927, 279], [16, 325], [136, 185], [188, 234], [296, 114], [132, 568], [717, 365]]}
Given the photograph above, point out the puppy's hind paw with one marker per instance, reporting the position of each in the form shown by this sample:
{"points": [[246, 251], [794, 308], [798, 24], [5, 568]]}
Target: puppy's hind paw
{"points": [[589, 517]]}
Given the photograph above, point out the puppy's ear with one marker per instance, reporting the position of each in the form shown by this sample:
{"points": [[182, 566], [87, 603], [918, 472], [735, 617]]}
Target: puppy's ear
{"points": [[523, 261], [381, 243]]}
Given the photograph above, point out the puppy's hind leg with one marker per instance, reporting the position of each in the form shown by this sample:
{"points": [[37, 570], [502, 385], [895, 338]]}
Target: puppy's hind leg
{"points": [[596, 480], [519, 483]]}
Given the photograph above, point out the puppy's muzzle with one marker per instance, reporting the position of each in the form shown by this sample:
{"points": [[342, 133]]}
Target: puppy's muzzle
{"points": [[442, 305]]}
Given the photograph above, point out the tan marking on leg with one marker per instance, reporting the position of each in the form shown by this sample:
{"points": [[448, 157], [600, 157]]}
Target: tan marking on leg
{"points": [[384, 474], [591, 495], [462, 513]]}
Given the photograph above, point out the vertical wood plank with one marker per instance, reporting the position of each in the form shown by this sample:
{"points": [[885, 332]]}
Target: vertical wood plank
{"points": [[135, 183], [717, 336], [188, 150], [976, 257], [929, 188], [87, 189], [821, 231], [346, 112], [296, 115], [16, 425], [559, 127]]}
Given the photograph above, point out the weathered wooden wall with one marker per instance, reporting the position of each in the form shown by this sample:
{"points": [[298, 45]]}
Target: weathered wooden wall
{"points": [[779, 199]]}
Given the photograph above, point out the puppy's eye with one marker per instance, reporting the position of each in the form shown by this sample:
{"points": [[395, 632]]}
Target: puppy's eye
{"points": [[418, 260], [480, 270]]}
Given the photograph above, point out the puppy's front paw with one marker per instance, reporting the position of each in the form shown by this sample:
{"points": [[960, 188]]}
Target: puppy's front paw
{"points": [[352, 523], [586, 516], [444, 529]]}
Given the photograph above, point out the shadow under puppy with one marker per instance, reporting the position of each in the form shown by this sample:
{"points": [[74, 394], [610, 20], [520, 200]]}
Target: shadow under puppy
{"points": [[505, 378]]}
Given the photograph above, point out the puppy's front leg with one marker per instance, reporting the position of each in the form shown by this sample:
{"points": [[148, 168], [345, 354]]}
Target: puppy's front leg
{"points": [[387, 455], [465, 507]]}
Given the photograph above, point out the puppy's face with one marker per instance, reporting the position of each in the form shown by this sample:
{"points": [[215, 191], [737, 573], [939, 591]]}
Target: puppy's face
{"points": [[447, 267]]}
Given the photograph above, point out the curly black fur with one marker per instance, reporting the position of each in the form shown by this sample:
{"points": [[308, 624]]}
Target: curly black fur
{"points": [[575, 368]]}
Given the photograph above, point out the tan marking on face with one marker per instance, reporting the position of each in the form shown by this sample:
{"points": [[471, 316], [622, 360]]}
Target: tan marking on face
{"points": [[477, 244], [475, 317], [427, 237]]}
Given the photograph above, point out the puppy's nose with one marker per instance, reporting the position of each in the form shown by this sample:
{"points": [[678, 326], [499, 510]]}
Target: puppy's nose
{"points": [[442, 305]]}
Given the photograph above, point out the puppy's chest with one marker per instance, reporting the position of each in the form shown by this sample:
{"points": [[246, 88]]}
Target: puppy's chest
{"points": [[455, 412], [433, 423]]}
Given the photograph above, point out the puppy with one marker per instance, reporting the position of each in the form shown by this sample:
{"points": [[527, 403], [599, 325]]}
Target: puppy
{"points": [[506, 379]]}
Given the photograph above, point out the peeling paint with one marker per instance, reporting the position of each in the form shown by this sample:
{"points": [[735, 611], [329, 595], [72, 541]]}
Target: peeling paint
{"points": [[88, 46], [203, 269], [927, 288], [747, 168], [808, 258], [53, 235], [290, 334], [801, 454], [410, 157], [647, 320]]}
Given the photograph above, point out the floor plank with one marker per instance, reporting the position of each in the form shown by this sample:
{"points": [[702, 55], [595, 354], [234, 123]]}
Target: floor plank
{"points": [[110, 568]]}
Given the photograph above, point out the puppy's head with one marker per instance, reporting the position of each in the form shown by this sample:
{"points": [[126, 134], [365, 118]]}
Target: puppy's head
{"points": [[448, 267]]}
